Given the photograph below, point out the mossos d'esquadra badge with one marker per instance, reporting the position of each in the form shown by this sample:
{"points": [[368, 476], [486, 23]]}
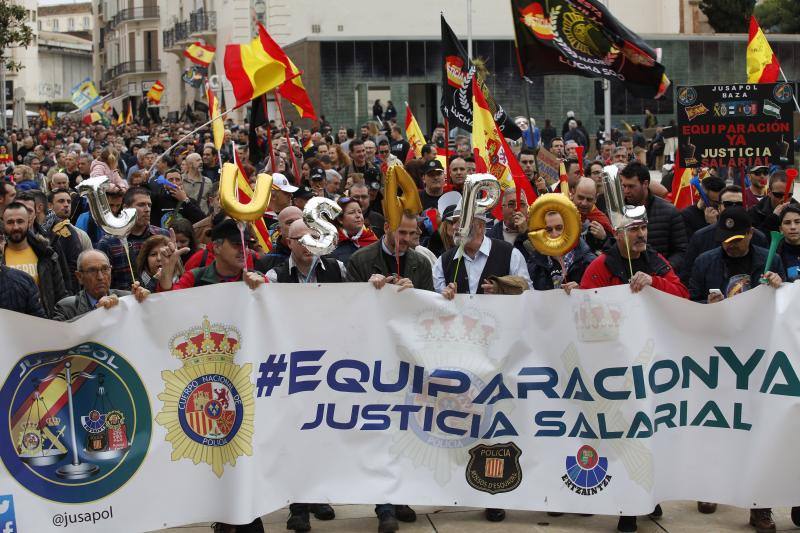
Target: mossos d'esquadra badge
{"points": [[208, 402]]}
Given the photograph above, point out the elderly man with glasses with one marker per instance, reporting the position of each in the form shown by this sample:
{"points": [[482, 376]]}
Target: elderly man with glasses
{"points": [[94, 276]]}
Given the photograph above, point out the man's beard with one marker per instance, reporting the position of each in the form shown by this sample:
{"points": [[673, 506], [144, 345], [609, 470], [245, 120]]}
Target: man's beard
{"points": [[17, 236]]}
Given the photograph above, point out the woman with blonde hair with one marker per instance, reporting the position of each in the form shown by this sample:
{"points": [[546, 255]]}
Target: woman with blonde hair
{"points": [[106, 165]]}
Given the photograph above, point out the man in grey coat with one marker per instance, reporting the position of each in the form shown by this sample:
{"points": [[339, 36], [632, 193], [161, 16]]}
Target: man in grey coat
{"points": [[94, 276]]}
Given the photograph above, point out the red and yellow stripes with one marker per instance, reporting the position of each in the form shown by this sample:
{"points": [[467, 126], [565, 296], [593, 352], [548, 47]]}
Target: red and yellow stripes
{"points": [[255, 68], [762, 64]]}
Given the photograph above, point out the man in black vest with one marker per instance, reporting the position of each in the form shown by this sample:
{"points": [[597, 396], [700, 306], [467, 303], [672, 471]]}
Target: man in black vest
{"points": [[296, 268], [483, 257]]}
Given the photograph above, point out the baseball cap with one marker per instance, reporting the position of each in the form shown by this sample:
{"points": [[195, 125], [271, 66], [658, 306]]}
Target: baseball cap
{"points": [[733, 223], [433, 165], [280, 183], [227, 230], [317, 173], [479, 216], [304, 192], [759, 167]]}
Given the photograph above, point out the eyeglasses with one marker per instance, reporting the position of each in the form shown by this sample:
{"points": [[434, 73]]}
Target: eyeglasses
{"points": [[105, 270], [779, 195], [729, 203], [384, 152]]}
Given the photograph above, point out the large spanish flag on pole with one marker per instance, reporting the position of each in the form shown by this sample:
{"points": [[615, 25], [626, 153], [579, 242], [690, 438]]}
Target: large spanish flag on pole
{"points": [[762, 65], [492, 154], [415, 137], [256, 68], [217, 127]]}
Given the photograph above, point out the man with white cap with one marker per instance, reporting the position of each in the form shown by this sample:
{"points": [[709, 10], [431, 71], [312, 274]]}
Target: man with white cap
{"points": [[281, 198], [482, 257]]}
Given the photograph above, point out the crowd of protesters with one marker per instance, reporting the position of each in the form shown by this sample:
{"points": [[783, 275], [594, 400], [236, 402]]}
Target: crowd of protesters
{"points": [[58, 263]]}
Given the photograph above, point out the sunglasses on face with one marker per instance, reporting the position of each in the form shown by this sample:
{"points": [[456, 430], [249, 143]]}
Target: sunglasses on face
{"points": [[730, 203], [779, 195]]}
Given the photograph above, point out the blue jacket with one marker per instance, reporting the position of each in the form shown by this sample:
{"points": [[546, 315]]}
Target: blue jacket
{"points": [[710, 272], [540, 266]]}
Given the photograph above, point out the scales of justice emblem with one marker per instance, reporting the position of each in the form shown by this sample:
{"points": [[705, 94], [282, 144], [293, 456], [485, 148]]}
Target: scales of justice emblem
{"points": [[39, 438], [78, 422]]}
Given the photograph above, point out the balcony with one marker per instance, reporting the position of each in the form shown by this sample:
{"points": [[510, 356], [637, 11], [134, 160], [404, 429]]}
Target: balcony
{"points": [[202, 23], [169, 41], [181, 32], [131, 67], [134, 13]]}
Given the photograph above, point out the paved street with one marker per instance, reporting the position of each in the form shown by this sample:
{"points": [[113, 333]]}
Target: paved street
{"points": [[678, 517]]}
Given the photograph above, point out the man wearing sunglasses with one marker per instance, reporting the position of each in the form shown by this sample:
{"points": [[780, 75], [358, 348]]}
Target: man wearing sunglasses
{"points": [[704, 240], [765, 214], [758, 183]]}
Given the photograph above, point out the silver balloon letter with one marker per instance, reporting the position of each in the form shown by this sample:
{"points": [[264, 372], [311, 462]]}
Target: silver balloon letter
{"points": [[94, 189], [318, 214]]}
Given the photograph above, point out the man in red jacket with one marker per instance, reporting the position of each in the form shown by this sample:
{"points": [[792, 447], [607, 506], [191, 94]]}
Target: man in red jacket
{"points": [[632, 261]]}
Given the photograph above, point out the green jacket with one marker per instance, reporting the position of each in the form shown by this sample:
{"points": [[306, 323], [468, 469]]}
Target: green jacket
{"points": [[368, 261]]}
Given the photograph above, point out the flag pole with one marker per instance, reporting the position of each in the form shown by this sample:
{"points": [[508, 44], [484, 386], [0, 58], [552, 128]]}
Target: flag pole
{"points": [[447, 150], [794, 97], [168, 150], [269, 133], [279, 102]]}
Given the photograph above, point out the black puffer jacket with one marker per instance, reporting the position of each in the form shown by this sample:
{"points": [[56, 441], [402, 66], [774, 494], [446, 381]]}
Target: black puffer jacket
{"points": [[49, 271], [666, 232]]}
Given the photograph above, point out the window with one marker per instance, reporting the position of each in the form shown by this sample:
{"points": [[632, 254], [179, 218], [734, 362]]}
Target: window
{"points": [[85, 23], [55, 24], [39, 24], [71, 24], [315, 28], [624, 103]]}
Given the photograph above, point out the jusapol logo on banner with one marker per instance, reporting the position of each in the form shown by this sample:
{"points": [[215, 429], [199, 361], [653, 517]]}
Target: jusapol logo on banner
{"points": [[79, 423]]}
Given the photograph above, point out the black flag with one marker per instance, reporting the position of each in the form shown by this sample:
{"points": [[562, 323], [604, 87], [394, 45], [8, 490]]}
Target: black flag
{"points": [[258, 150], [457, 74], [582, 37]]}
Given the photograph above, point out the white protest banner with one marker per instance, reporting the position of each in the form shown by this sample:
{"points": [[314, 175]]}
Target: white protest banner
{"points": [[222, 404]]}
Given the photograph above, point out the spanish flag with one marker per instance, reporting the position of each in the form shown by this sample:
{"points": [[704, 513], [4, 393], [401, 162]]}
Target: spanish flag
{"points": [[492, 154], [259, 227], [762, 65], [200, 54], [155, 92], [120, 119], [294, 91], [217, 127], [129, 118], [682, 192], [255, 68], [414, 134]]}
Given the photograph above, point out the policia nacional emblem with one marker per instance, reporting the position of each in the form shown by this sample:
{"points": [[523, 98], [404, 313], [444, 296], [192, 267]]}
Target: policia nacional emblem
{"points": [[494, 469]]}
